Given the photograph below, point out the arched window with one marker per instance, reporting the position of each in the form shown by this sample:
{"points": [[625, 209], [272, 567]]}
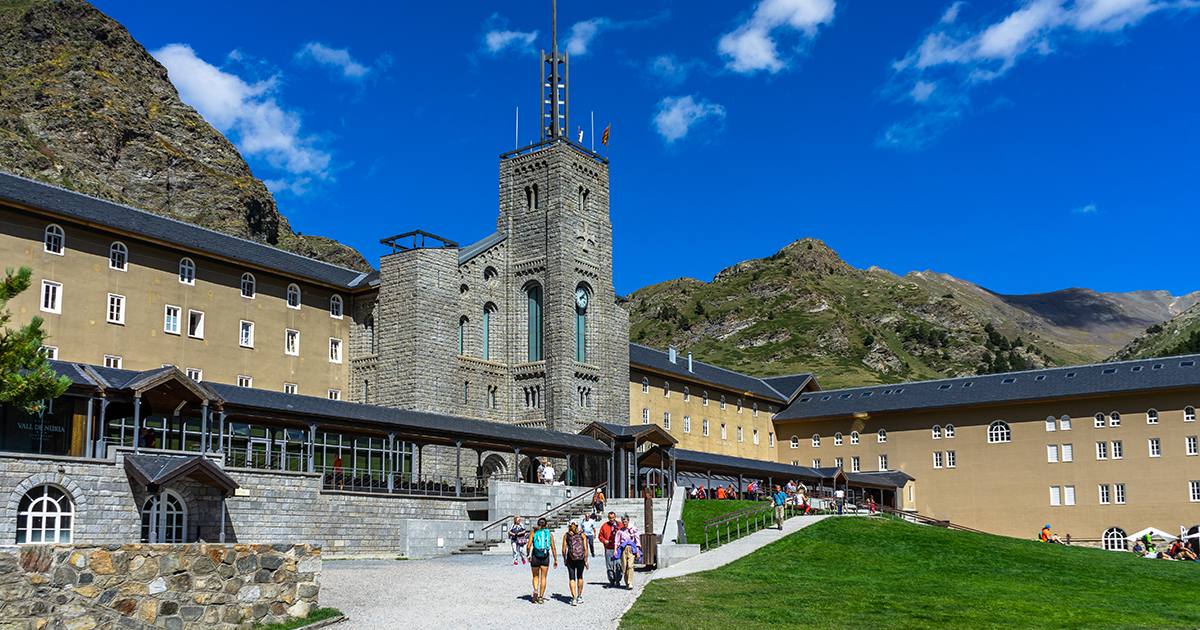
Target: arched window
{"points": [[1152, 417], [722, 403], [1114, 539], [998, 431], [248, 285], [534, 294], [45, 515], [666, 389], [755, 408], [187, 271], [164, 519], [335, 307], [1114, 419], [949, 431], [837, 439], [705, 399], [293, 296], [937, 432], [462, 334], [816, 440], [54, 241], [854, 437], [882, 436], [118, 256], [687, 394], [581, 306], [645, 385], [488, 310], [1100, 422], [739, 404], [1189, 414], [795, 442]]}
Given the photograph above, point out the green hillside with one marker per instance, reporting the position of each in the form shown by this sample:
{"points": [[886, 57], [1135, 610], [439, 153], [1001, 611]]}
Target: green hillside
{"points": [[1180, 335]]}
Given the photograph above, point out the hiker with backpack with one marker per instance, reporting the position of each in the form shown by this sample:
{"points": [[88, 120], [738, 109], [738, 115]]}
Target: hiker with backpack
{"points": [[541, 551], [575, 556], [517, 535]]}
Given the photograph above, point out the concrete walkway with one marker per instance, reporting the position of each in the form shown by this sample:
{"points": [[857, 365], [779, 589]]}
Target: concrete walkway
{"points": [[739, 548]]}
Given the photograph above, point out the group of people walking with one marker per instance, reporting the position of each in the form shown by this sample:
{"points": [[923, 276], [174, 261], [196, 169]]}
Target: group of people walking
{"points": [[620, 547]]}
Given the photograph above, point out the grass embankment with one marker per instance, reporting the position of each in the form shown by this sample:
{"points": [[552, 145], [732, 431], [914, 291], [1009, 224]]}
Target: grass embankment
{"points": [[319, 614], [874, 573], [695, 512]]}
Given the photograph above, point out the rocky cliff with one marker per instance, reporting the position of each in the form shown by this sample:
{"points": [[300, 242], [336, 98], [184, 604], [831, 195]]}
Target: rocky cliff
{"points": [[85, 107]]}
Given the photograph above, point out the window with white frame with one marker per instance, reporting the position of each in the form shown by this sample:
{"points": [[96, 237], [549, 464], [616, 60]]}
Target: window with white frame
{"points": [[854, 437], [118, 256], [113, 361], [1118, 450], [1189, 414], [666, 419], [687, 394], [666, 389], [816, 440], [335, 306], [335, 350], [293, 296], [937, 459], [816, 463], [739, 405], [755, 408], [722, 403], [998, 431], [1119, 493], [704, 428], [739, 434], [1105, 494], [645, 386], [1051, 423], [116, 308], [854, 464], [291, 342], [795, 442], [1055, 496], [195, 374], [335, 394], [770, 439], [1114, 419], [837, 439], [837, 462], [1102, 450], [51, 297], [246, 334], [687, 424], [1064, 423], [171, 320], [937, 432], [724, 432], [1068, 453], [53, 240], [705, 398], [172, 529], [45, 514], [949, 459], [883, 462], [881, 436], [1194, 491], [196, 324], [289, 388], [756, 437], [1190, 443], [645, 416], [187, 271], [949, 432], [245, 381], [248, 285], [50, 352], [1114, 539], [1100, 421], [1068, 495], [1051, 453], [1155, 448], [1152, 417]]}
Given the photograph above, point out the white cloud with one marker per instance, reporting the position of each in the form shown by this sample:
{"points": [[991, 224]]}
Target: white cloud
{"points": [[248, 112], [677, 115], [752, 47], [497, 38], [338, 58], [582, 34], [672, 71], [1088, 209], [958, 58]]}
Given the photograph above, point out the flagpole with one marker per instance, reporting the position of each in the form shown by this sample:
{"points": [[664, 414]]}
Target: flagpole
{"points": [[593, 132], [517, 131]]}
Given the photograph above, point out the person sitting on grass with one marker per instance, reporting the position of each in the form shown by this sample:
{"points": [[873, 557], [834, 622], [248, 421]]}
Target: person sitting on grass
{"points": [[1139, 549], [1046, 536]]}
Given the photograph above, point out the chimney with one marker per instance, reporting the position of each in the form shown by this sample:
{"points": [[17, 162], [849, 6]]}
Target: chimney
{"points": [[671, 354], [689, 361]]}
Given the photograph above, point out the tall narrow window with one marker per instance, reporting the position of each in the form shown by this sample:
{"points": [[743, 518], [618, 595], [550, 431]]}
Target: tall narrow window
{"points": [[534, 294], [291, 342], [687, 424], [293, 296], [1104, 494], [883, 462], [882, 436], [950, 459], [248, 285], [724, 432], [196, 324], [187, 271], [645, 385], [854, 464], [1155, 448], [687, 394], [246, 336], [171, 320], [51, 297], [645, 415], [704, 427], [118, 256], [488, 310], [173, 526], [756, 437], [739, 434], [1189, 414], [462, 335], [581, 306], [116, 308], [667, 420], [1191, 446], [1118, 449], [1052, 453], [722, 403], [52, 241], [1101, 450], [1119, 493], [335, 307], [1068, 495], [335, 350], [854, 437]]}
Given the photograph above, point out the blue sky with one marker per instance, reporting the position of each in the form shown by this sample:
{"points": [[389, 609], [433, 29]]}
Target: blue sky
{"points": [[1024, 146]]}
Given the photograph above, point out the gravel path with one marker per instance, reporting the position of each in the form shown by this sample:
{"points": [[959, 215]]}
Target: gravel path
{"points": [[467, 592]]}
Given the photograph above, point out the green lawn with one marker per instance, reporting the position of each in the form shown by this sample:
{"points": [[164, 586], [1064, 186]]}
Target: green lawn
{"points": [[874, 573], [695, 512], [319, 614]]}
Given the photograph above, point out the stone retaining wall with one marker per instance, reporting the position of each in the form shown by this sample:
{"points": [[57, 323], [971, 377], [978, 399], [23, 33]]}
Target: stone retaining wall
{"points": [[176, 587]]}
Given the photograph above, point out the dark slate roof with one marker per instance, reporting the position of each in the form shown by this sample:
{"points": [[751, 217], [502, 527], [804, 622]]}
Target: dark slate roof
{"points": [[643, 357], [697, 460], [790, 385], [1078, 381], [74, 372], [78, 207], [889, 477], [162, 470], [474, 249]]}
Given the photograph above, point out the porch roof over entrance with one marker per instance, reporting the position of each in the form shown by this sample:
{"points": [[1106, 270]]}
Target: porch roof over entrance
{"points": [[703, 463], [627, 435], [156, 471]]}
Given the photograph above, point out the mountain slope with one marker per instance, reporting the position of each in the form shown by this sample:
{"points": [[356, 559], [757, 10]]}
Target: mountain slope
{"points": [[804, 309], [1179, 335], [85, 107]]}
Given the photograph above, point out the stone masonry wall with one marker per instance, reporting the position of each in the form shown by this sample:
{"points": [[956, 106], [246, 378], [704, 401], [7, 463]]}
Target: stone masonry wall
{"points": [[176, 587]]}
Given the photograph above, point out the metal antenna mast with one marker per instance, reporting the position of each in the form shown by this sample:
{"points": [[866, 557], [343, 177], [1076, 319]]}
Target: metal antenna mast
{"points": [[553, 92]]}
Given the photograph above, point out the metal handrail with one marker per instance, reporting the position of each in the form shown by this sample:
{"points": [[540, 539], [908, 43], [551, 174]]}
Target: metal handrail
{"points": [[588, 494], [759, 516]]}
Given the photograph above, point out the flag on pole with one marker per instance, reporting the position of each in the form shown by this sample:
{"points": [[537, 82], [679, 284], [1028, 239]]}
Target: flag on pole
{"points": [[604, 138], [581, 135]]}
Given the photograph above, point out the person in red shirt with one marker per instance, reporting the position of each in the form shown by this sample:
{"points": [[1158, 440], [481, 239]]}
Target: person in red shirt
{"points": [[607, 532]]}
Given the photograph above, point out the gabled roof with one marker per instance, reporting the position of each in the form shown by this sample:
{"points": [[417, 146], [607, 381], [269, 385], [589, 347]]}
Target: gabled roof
{"points": [[474, 249], [162, 470], [1069, 382], [73, 206], [657, 361], [791, 385], [628, 433]]}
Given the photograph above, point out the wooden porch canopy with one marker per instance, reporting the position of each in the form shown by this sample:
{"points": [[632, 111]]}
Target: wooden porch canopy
{"points": [[622, 443], [707, 464]]}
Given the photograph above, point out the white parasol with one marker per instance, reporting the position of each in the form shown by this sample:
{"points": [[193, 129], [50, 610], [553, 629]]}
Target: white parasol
{"points": [[1154, 533]]}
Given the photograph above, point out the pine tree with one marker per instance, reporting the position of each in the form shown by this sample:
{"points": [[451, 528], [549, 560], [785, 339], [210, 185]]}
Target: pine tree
{"points": [[26, 379]]}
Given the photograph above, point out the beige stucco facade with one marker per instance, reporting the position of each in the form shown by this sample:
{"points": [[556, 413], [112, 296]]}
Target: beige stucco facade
{"points": [[1004, 487], [81, 331]]}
